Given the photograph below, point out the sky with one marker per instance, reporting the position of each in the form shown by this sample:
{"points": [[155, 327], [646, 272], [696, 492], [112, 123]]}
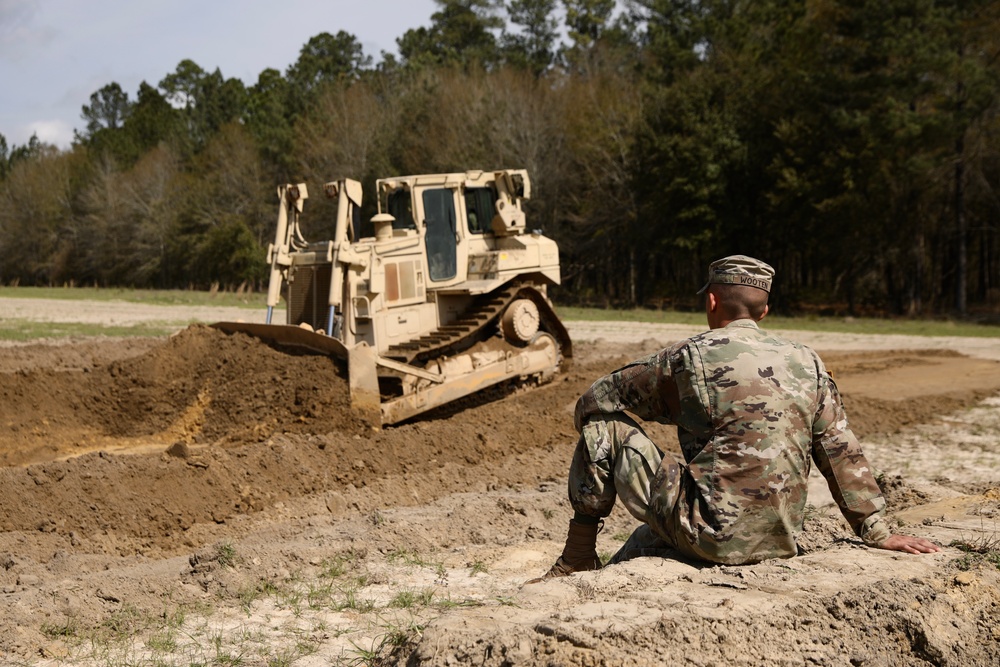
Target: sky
{"points": [[55, 53]]}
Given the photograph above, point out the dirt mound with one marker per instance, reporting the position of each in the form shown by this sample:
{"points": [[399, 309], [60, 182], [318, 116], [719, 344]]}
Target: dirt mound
{"points": [[200, 386], [900, 495], [228, 387]]}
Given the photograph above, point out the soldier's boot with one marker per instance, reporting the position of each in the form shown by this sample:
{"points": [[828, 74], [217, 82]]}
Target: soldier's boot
{"points": [[579, 554]]}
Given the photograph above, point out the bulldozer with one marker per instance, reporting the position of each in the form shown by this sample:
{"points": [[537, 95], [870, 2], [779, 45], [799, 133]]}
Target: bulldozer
{"points": [[443, 294]]}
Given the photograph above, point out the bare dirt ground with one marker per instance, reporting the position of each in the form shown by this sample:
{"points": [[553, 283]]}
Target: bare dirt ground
{"points": [[206, 500]]}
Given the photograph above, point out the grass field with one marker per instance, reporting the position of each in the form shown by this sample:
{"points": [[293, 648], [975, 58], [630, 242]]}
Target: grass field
{"points": [[22, 330], [12, 329], [855, 325], [147, 296], [910, 327]]}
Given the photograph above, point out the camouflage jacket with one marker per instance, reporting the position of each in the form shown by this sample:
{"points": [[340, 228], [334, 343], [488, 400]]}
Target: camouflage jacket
{"points": [[752, 411]]}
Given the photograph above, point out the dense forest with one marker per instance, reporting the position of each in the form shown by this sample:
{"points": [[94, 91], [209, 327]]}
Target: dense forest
{"points": [[853, 144]]}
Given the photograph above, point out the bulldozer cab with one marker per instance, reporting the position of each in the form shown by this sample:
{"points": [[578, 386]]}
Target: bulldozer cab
{"points": [[439, 213], [457, 215]]}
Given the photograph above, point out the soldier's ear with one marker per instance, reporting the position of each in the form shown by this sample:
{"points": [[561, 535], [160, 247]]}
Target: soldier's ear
{"points": [[712, 302], [767, 309]]}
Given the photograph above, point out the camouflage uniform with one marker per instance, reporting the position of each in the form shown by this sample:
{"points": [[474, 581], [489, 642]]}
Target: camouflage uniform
{"points": [[752, 412]]}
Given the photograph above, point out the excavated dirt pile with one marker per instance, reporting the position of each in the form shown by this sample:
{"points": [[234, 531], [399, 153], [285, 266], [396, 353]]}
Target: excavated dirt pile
{"points": [[146, 479], [200, 386]]}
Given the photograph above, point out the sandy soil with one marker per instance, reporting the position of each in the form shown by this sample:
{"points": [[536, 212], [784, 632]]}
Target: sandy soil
{"points": [[206, 500]]}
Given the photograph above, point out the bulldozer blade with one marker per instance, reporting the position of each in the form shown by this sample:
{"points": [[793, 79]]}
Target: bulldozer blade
{"points": [[286, 335], [363, 380]]}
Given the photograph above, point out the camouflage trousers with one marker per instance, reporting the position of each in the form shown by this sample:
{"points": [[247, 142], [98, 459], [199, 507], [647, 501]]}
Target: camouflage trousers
{"points": [[616, 460]]}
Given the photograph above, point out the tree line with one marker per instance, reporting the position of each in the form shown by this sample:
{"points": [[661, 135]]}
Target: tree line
{"points": [[853, 144]]}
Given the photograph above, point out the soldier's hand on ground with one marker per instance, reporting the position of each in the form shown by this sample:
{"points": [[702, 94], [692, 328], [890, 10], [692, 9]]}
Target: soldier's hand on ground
{"points": [[909, 544]]}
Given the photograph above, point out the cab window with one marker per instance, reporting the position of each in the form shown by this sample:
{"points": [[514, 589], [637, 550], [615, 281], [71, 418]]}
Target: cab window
{"points": [[480, 206], [439, 219], [400, 206]]}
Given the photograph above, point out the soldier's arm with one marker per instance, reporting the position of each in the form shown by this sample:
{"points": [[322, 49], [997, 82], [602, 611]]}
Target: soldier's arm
{"points": [[644, 387], [838, 455]]}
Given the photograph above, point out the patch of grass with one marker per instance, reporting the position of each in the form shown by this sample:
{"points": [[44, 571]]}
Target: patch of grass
{"points": [[69, 628], [858, 325], [175, 618], [124, 622], [448, 603], [622, 536], [320, 596], [181, 636], [290, 598], [385, 646], [286, 657], [339, 565], [408, 557], [477, 567], [408, 599], [634, 315], [405, 556], [226, 659], [377, 654], [236, 299], [223, 656], [353, 602], [252, 592], [548, 514], [225, 555], [399, 636], [25, 330], [164, 641], [977, 551]]}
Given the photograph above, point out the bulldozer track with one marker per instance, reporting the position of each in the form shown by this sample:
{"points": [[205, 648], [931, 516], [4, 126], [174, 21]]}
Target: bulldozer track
{"points": [[479, 321]]}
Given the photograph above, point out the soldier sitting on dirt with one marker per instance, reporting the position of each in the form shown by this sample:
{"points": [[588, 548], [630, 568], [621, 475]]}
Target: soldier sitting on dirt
{"points": [[752, 412]]}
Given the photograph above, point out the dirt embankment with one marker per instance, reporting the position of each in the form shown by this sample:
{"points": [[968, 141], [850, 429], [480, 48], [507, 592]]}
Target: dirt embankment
{"points": [[128, 464]]}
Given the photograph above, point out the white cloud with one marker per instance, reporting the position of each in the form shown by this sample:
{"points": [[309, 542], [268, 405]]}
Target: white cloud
{"points": [[56, 132]]}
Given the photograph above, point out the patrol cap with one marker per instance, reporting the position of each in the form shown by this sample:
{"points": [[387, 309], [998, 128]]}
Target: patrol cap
{"points": [[740, 270]]}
